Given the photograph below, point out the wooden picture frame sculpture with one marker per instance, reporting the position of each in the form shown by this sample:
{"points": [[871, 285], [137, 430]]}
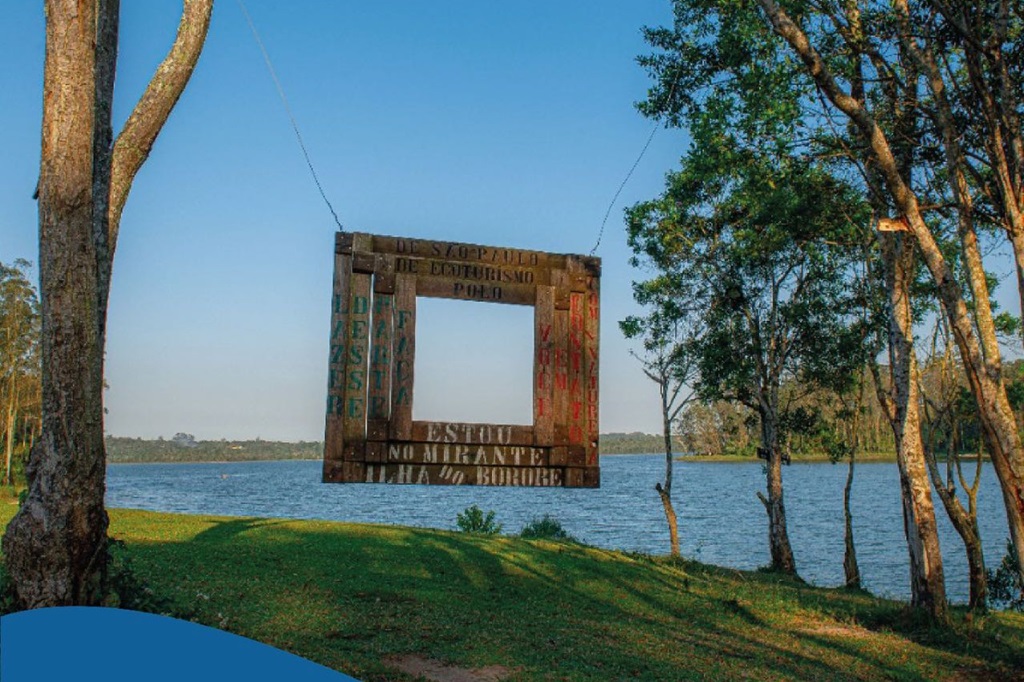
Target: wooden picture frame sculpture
{"points": [[370, 434]]}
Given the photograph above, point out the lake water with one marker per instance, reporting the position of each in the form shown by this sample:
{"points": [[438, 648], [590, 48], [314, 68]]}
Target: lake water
{"points": [[721, 520]]}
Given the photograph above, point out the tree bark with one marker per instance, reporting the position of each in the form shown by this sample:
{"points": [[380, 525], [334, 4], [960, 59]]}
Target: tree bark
{"points": [[850, 567], [12, 419], [927, 581], [665, 491], [55, 547], [778, 535]]}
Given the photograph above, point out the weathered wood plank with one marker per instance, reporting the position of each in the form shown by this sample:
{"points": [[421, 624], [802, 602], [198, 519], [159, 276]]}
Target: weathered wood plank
{"points": [[462, 453], [577, 329], [462, 474], [333, 436], [591, 368], [354, 414], [403, 353], [471, 434], [467, 290], [543, 366], [560, 400], [455, 251], [383, 326], [484, 273]]}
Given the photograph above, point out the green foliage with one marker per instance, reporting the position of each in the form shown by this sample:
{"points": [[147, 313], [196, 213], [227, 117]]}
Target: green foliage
{"points": [[1005, 589], [8, 602], [125, 589], [20, 366], [546, 528], [474, 520]]}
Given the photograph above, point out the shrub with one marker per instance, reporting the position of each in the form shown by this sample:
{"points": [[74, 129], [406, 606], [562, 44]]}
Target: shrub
{"points": [[1004, 586], [473, 520], [546, 528]]}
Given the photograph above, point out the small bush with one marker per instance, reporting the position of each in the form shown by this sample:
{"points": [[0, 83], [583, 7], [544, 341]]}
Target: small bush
{"points": [[126, 590], [1005, 590], [473, 520], [546, 528], [8, 602]]}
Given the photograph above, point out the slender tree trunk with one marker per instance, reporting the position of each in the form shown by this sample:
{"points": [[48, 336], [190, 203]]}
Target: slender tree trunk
{"points": [[12, 419], [965, 521], [665, 491], [778, 535], [927, 582], [850, 567]]}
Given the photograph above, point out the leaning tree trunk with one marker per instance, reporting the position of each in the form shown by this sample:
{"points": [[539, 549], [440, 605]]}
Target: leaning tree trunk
{"points": [[927, 581], [778, 535], [965, 521], [55, 547]]}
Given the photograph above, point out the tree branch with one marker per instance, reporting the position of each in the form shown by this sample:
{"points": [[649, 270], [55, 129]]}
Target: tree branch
{"points": [[135, 141]]}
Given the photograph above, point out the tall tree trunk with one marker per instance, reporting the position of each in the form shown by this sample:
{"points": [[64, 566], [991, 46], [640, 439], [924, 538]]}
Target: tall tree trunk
{"points": [[778, 535], [850, 567], [55, 547], [927, 582], [665, 491], [12, 414]]}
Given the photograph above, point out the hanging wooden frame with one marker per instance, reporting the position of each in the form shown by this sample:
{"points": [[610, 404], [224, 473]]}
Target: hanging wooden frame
{"points": [[371, 436]]}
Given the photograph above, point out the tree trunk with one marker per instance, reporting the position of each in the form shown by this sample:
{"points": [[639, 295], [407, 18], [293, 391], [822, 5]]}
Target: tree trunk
{"points": [[56, 544], [927, 582], [850, 567], [12, 412], [55, 547], [965, 521], [665, 491], [778, 535]]}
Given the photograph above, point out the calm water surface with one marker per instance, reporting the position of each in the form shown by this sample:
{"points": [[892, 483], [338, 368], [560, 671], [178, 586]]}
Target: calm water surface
{"points": [[721, 520]]}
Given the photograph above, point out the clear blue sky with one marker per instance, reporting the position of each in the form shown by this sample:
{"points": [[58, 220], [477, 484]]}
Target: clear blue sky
{"points": [[498, 123]]}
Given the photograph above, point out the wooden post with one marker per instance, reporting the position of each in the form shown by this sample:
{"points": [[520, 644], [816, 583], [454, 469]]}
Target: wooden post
{"points": [[356, 362], [591, 365], [383, 326], [333, 439], [543, 366], [404, 356]]}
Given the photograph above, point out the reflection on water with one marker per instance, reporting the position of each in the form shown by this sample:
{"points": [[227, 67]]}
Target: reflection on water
{"points": [[721, 520]]}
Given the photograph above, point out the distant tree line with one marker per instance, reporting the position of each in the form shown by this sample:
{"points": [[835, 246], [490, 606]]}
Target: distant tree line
{"points": [[183, 448], [20, 370]]}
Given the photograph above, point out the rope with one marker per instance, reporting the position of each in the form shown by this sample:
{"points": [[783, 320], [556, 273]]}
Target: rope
{"points": [[291, 116], [657, 125]]}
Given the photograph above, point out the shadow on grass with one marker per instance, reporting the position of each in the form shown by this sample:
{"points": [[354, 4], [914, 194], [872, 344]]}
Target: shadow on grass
{"points": [[347, 596]]}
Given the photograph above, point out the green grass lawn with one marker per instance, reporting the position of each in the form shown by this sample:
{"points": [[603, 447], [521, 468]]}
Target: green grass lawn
{"points": [[349, 596]]}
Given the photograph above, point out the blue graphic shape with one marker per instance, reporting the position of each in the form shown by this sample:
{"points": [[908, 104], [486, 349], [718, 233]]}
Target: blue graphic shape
{"points": [[80, 643]]}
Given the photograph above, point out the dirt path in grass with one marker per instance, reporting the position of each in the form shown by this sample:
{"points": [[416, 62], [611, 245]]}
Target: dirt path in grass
{"points": [[439, 672]]}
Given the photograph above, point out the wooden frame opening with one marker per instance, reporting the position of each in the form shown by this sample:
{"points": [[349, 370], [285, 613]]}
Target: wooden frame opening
{"points": [[371, 436]]}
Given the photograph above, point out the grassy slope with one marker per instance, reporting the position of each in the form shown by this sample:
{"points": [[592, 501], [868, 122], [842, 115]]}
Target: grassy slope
{"points": [[348, 595]]}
